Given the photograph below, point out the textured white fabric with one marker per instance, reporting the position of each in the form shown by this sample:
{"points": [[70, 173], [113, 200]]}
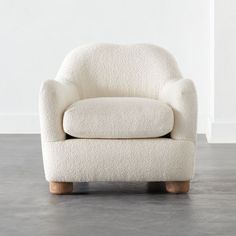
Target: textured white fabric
{"points": [[181, 96], [118, 117], [54, 98], [105, 70], [109, 70], [79, 160]]}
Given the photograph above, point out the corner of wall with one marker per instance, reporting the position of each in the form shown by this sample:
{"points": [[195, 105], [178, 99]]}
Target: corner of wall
{"points": [[221, 132]]}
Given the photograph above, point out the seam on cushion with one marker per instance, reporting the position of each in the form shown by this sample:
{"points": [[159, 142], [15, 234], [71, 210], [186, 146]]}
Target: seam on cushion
{"points": [[65, 81], [54, 141], [188, 140], [185, 139]]}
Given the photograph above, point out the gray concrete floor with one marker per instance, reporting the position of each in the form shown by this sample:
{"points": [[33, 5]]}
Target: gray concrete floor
{"points": [[27, 208]]}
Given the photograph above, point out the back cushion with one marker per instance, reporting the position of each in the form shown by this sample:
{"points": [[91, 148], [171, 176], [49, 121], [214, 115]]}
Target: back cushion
{"points": [[102, 70]]}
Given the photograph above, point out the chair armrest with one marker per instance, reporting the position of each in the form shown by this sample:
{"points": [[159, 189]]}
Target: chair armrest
{"points": [[181, 96], [54, 98]]}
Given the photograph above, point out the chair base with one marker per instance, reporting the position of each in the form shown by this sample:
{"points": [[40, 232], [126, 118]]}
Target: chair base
{"points": [[169, 186], [61, 188]]}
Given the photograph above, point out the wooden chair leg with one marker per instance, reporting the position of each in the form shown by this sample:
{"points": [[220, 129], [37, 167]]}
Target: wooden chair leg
{"points": [[61, 187], [177, 186]]}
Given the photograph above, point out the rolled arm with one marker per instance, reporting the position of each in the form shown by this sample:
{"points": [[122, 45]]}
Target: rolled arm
{"points": [[54, 98], [181, 96]]}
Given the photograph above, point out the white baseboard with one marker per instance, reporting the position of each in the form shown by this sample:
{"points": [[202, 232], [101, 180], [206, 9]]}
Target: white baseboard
{"points": [[221, 132], [19, 123]]}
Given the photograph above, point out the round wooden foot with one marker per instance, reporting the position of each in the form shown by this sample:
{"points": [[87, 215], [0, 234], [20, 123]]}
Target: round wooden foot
{"points": [[61, 187], [177, 186]]}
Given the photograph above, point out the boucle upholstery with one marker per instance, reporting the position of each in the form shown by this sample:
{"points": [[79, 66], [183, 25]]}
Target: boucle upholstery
{"points": [[108, 70], [84, 160], [105, 70], [181, 96], [54, 98], [118, 117]]}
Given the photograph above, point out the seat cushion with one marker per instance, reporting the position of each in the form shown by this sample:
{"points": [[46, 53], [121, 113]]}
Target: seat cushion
{"points": [[118, 117]]}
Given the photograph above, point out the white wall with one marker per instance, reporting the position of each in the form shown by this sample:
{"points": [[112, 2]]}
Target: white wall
{"points": [[36, 35], [222, 117]]}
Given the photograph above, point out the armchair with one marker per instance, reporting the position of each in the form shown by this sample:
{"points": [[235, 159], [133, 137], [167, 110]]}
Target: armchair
{"points": [[118, 113]]}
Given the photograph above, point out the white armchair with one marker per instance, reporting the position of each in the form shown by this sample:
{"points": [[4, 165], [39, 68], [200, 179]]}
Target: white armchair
{"points": [[118, 113]]}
